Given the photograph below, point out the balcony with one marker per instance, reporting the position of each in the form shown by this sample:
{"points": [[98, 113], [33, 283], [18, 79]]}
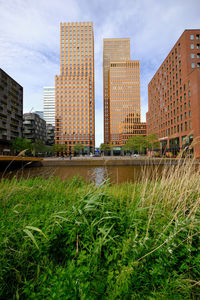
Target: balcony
{"points": [[27, 122]]}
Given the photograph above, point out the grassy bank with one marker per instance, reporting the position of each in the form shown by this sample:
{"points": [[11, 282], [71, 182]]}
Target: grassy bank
{"points": [[72, 240]]}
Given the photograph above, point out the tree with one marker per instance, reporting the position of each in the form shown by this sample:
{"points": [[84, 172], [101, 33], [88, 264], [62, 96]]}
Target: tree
{"points": [[136, 143], [58, 148], [20, 144], [38, 147], [78, 148], [152, 141], [106, 148]]}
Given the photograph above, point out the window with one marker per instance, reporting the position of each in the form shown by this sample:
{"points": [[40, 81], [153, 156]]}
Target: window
{"points": [[192, 46], [191, 36], [192, 55], [181, 127], [193, 65]]}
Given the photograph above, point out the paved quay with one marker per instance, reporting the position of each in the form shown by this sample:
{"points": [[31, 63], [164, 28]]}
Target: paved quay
{"points": [[15, 162], [110, 161]]}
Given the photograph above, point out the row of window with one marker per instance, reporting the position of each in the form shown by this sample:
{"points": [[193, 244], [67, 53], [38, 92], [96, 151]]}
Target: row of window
{"points": [[192, 55], [73, 142], [193, 65], [197, 46], [179, 128], [197, 36]]}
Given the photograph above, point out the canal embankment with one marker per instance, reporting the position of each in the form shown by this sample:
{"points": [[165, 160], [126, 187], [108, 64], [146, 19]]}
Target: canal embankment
{"points": [[17, 162], [112, 161]]}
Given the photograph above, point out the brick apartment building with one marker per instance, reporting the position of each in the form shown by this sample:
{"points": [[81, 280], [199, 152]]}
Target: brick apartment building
{"points": [[174, 96]]}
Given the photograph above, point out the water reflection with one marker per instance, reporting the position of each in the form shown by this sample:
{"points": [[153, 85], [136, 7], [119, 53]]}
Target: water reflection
{"points": [[115, 174]]}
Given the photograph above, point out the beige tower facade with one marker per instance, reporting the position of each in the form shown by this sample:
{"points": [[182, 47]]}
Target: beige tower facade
{"points": [[74, 87], [113, 50], [124, 101], [122, 108]]}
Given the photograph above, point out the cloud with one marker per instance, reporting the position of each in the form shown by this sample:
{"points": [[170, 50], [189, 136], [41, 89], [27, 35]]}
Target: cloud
{"points": [[30, 39]]}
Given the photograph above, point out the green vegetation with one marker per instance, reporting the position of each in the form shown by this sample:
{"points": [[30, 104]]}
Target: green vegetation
{"points": [[20, 144], [73, 240], [59, 148], [78, 148], [28, 148], [140, 143], [106, 148]]}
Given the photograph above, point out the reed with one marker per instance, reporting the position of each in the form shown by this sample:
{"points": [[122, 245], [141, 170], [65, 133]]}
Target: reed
{"points": [[75, 240]]}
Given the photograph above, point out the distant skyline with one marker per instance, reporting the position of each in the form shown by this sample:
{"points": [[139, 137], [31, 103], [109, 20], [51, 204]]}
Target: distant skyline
{"points": [[30, 40]]}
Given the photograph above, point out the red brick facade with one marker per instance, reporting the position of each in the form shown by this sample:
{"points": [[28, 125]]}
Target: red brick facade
{"points": [[174, 96]]}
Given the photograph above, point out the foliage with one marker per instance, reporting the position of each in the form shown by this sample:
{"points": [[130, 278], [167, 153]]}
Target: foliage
{"points": [[38, 147], [58, 148], [78, 148], [74, 240], [105, 147], [136, 143], [153, 142], [20, 144], [140, 143]]}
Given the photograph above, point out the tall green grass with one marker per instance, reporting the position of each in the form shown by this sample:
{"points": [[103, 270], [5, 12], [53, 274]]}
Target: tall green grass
{"points": [[73, 240]]}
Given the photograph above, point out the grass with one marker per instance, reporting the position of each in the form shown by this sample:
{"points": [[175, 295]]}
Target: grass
{"points": [[73, 240]]}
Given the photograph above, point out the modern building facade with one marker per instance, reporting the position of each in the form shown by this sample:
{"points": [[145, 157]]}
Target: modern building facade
{"points": [[40, 113], [124, 102], [122, 108], [74, 87], [34, 128], [11, 110], [174, 96], [50, 134], [49, 105], [113, 50]]}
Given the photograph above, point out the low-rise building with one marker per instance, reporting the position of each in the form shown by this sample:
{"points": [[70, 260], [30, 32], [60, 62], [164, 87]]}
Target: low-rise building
{"points": [[50, 134], [40, 113], [34, 128]]}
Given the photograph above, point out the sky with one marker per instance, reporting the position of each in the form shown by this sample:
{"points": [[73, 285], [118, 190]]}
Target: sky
{"points": [[30, 40]]}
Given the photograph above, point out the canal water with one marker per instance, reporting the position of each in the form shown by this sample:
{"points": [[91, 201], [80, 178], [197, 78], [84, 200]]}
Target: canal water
{"points": [[115, 174]]}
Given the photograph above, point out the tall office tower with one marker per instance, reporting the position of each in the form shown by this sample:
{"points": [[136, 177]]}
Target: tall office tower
{"points": [[174, 96], [49, 105], [11, 111], [121, 93], [74, 87], [113, 50], [124, 102]]}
